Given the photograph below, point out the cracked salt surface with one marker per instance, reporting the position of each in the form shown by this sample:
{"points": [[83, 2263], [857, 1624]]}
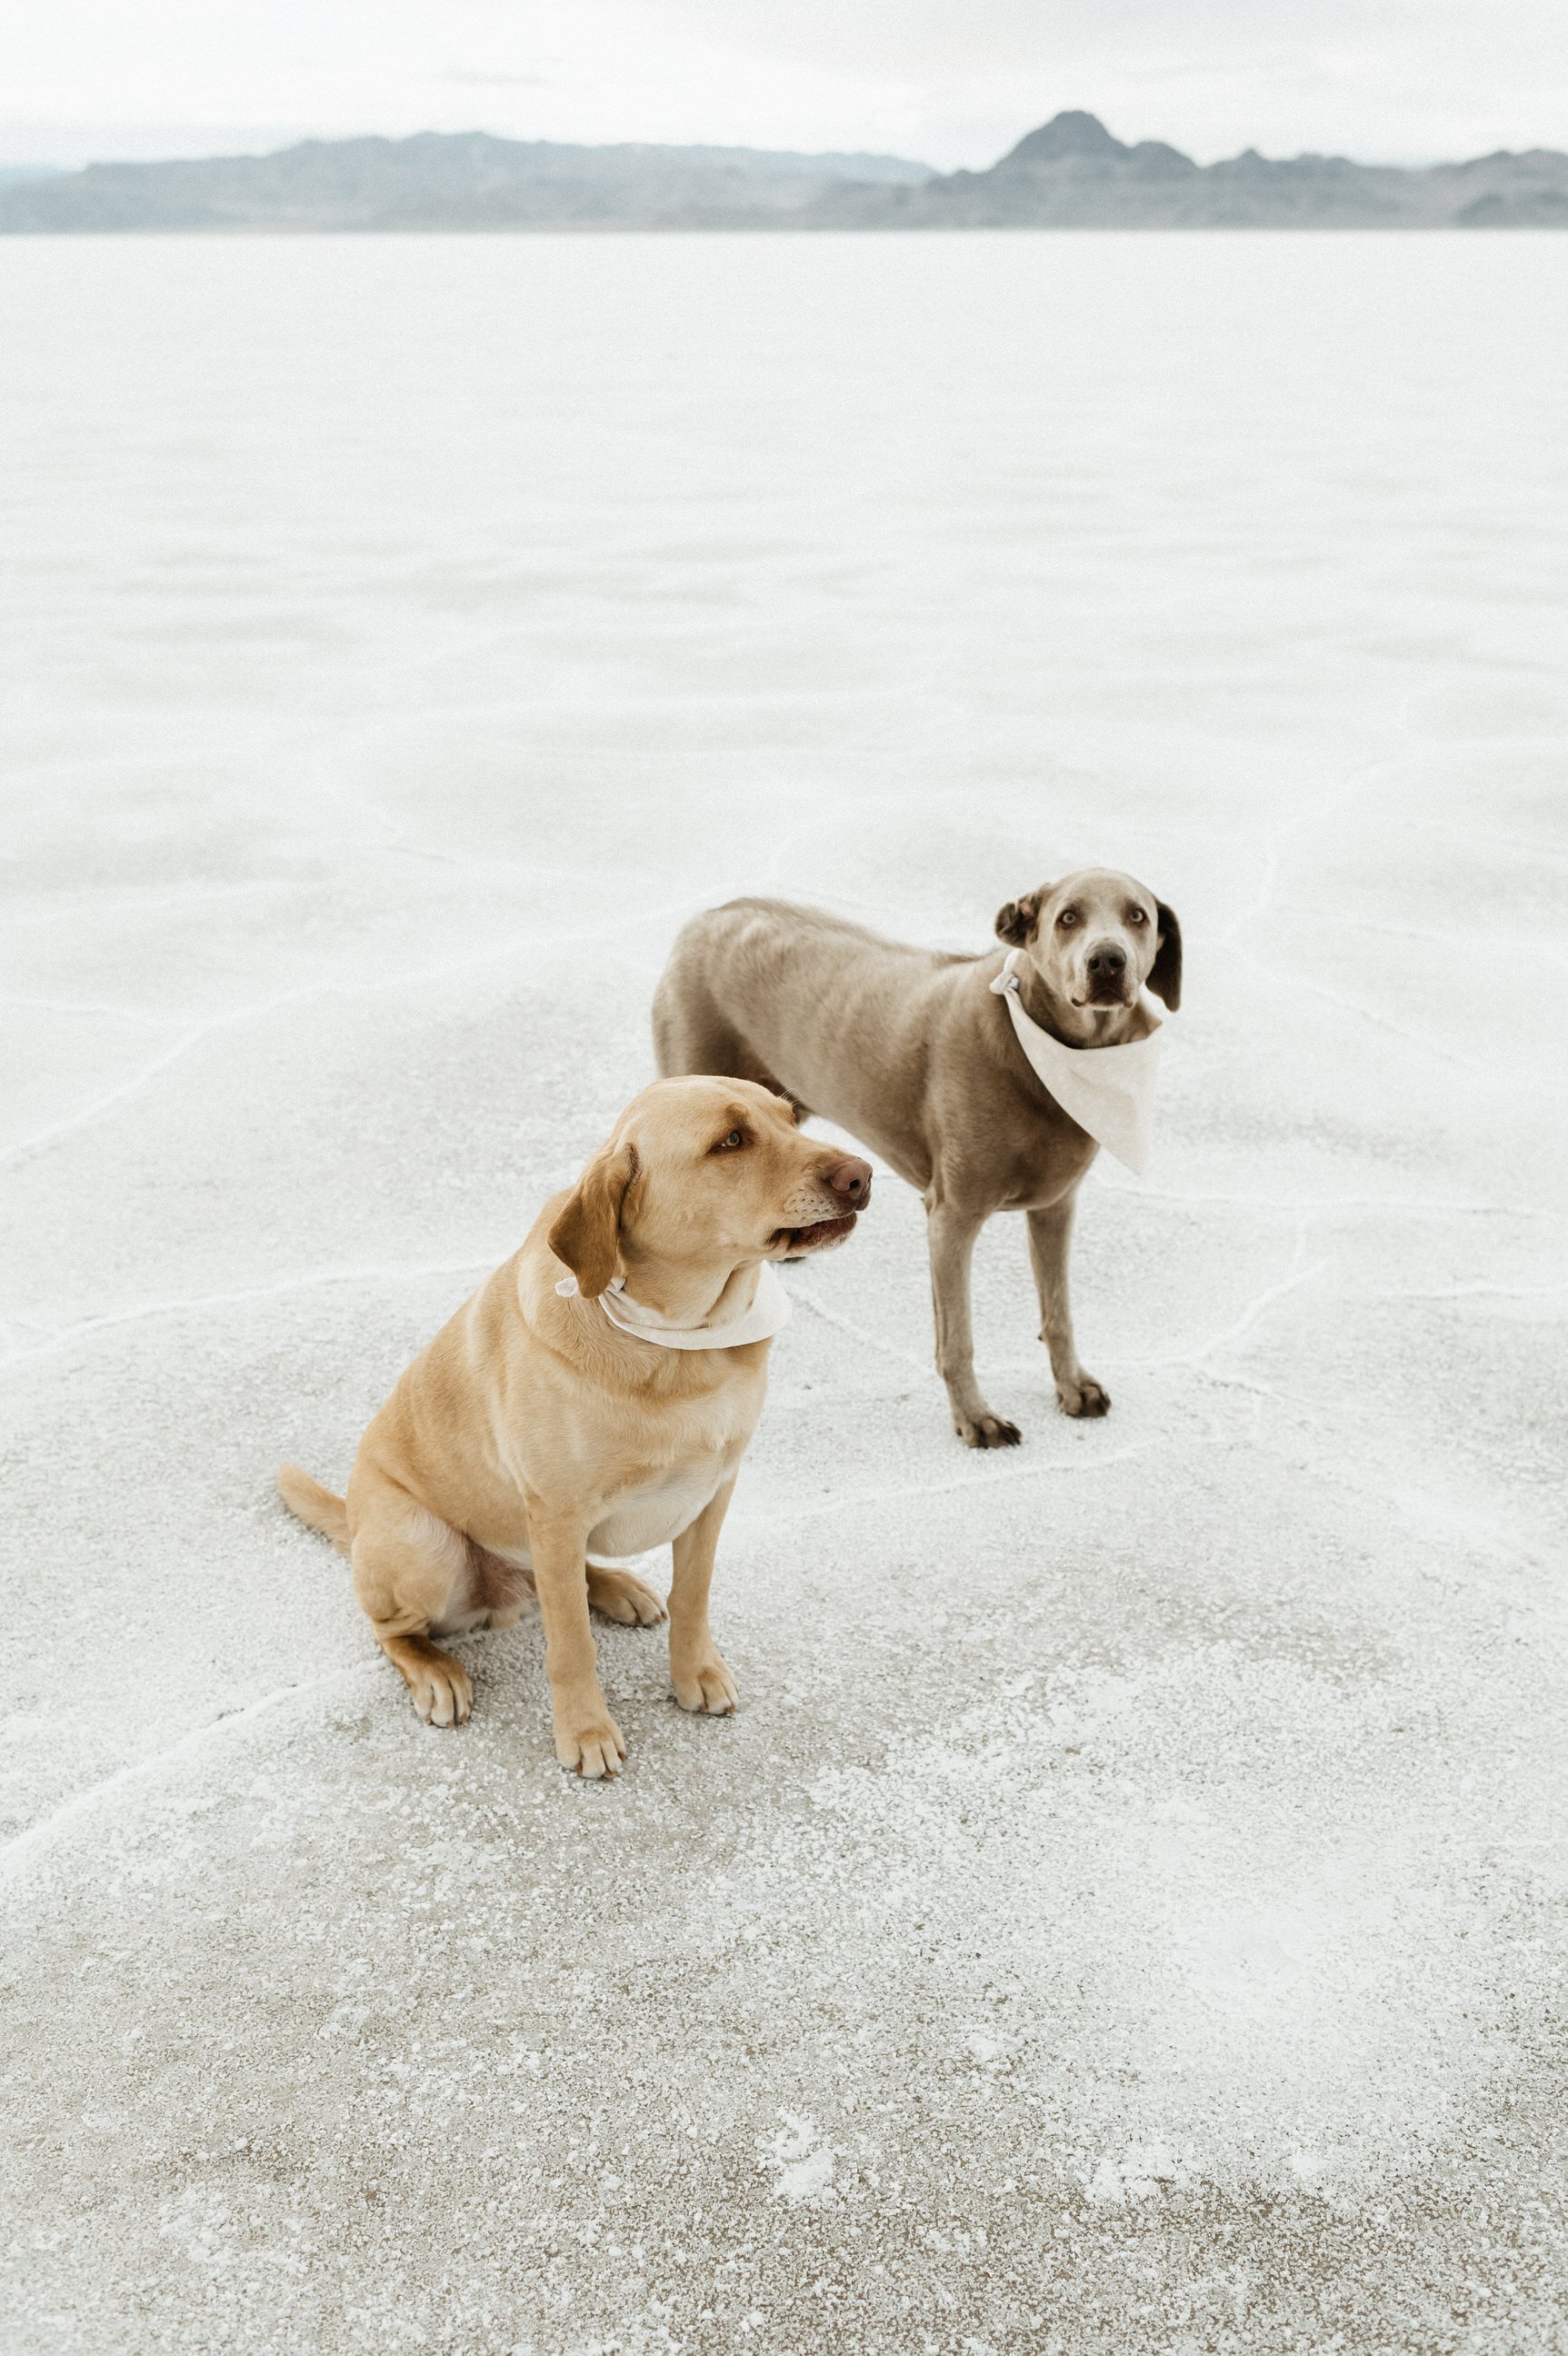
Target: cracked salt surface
{"points": [[1127, 1911]]}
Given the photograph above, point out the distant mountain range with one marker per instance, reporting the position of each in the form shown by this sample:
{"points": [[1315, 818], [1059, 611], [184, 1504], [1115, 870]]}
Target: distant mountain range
{"points": [[1070, 173], [465, 180]]}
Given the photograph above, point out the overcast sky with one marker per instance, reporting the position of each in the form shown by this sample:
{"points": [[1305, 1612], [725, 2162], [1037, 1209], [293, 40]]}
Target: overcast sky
{"points": [[950, 81]]}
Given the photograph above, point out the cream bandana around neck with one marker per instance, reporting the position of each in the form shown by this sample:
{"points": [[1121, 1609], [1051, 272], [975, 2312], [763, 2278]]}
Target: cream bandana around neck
{"points": [[770, 1311], [1108, 1091]]}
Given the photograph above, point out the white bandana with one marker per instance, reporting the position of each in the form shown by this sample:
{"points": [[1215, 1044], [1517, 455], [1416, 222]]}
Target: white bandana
{"points": [[771, 1311], [1108, 1091]]}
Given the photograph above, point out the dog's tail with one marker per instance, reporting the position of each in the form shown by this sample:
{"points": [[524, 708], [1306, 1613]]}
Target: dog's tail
{"points": [[315, 1505]]}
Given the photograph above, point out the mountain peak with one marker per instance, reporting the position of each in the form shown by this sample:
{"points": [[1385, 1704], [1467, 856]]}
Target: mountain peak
{"points": [[1072, 133]]}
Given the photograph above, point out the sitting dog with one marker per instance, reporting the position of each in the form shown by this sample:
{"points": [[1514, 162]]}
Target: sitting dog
{"points": [[598, 1391], [921, 1055]]}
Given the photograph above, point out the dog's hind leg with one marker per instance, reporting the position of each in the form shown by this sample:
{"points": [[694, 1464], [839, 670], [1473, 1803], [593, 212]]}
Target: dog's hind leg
{"points": [[691, 1035], [621, 1595], [501, 1584], [411, 1571]]}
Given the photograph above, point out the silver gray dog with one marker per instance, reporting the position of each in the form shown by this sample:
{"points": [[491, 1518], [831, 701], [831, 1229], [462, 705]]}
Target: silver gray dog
{"points": [[908, 1049]]}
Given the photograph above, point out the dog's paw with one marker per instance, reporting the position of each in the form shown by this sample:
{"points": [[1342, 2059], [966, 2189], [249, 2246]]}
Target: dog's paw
{"points": [[590, 1746], [704, 1683], [621, 1596], [441, 1692], [986, 1431], [1085, 1397]]}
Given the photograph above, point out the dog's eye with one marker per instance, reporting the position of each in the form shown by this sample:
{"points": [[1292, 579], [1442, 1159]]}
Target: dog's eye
{"points": [[730, 1144], [1136, 917], [1068, 918]]}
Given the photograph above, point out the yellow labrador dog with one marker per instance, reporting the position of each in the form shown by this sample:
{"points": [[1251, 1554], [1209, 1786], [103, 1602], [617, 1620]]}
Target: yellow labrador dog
{"points": [[597, 1392]]}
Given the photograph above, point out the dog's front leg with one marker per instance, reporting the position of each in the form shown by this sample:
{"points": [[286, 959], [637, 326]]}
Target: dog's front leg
{"points": [[587, 1739], [1050, 1239], [698, 1670], [951, 1234]]}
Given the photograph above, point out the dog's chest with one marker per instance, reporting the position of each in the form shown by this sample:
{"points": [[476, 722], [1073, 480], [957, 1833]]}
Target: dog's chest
{"points": [[659, 1508], [1034, 1167], [658, 1501]]}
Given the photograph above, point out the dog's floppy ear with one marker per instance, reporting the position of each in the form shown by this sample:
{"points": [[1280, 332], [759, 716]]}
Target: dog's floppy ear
{"points": [[586, 1232], [1164, 974], [1016, 919]]}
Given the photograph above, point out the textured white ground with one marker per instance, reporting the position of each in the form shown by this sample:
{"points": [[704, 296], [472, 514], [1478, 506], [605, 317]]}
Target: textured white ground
{"points": [[1128, 1913]]}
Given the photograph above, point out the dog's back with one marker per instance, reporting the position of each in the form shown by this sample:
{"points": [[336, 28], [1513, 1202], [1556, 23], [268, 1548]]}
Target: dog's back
{"points": [[832, 1015]]}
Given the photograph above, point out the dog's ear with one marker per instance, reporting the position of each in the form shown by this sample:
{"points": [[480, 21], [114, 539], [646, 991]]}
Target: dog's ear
{"points": [[1164, 974], [586, 1232], [1016, 919]]}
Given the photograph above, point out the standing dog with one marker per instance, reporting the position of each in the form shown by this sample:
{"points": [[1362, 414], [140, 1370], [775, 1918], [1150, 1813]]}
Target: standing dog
{"points": [[912, 1051], [598, 1391]]}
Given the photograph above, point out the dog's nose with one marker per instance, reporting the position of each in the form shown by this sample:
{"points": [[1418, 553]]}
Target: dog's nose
{"points": [[1107, 962], [852, 1178]]}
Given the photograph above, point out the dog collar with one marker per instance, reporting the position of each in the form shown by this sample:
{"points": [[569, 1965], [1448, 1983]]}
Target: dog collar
{"points": [[1108, 1091], [770, 1311]]}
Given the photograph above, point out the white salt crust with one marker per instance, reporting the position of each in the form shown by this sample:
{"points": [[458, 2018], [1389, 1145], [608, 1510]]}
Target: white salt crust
{"points": [[1126, 1914]]}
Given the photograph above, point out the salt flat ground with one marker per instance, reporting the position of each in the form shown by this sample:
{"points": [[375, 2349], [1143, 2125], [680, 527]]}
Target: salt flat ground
{"points": [[1127, 1912]]}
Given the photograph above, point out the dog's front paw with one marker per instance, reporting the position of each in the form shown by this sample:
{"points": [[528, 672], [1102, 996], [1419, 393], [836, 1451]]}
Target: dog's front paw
{"points": [[704, 1683], [621, 1596], [986, 1431], [1083, 1396], [590, 1745]]}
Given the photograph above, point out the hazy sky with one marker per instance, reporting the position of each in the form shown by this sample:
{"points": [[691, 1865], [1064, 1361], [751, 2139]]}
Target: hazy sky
{"points": [[952, 81]]}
